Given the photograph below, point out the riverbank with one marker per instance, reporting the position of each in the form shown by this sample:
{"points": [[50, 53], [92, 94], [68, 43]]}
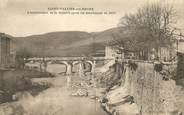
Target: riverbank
{"points": [[13, 82], [55, 100], [143, 91]]}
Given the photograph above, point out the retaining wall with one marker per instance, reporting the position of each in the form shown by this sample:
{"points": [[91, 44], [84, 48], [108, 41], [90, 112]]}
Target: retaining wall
{"points": [[152, 94]]}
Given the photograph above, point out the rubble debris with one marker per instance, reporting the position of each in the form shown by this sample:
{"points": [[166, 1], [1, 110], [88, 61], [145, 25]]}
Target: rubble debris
{"points": [[80, 92], [21, 95]]}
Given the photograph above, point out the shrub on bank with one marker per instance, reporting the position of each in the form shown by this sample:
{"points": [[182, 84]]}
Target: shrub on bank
{"points": [[12, 81], [35, 73]]}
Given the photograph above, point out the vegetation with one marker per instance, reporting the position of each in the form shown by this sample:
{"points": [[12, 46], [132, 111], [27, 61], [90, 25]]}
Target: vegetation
{"points": [[110, 78], [13, 81], [151, 27], [56, 44], [21, 55], [133, 66], [158, 67]]}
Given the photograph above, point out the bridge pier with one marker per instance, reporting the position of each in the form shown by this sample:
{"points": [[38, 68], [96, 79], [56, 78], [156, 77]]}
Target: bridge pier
{"points": [[81, 72], [68, 69], [93, 67], [93, 73], [43, 66], [40, 67]]}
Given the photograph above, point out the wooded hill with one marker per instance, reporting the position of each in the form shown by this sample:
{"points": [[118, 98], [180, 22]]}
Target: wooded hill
{"points": [[66, 43]]}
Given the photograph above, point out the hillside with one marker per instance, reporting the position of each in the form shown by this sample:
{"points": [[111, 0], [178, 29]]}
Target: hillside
{"points": [[66, 43]]}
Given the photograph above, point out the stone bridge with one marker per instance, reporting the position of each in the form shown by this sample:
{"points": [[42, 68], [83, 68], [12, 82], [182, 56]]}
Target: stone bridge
{"points": [[69, 62]]}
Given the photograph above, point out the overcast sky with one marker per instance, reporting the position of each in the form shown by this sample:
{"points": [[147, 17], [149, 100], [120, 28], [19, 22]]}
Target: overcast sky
{"points": [[15, 21]]}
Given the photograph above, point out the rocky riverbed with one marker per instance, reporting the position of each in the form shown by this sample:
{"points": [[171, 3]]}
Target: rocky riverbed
{"points": [[55, 100]]}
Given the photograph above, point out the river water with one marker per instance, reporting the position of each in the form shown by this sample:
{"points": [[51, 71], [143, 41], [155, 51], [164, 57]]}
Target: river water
{"points": [[56, 100]]}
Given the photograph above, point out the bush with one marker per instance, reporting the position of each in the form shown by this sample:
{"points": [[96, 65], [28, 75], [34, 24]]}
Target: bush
{"points": [[158, 67], [133, 66], [13, 81]]}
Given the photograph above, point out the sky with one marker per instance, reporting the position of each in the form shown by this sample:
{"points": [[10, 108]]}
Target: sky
{"points": [[15, 21]]}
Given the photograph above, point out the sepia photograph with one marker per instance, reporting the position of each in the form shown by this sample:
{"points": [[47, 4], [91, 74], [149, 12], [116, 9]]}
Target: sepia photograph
{"points": [[91, 57]]}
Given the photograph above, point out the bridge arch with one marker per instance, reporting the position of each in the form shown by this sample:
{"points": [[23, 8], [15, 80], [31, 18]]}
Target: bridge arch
{"points": [[63, 62], [82, 65], [90, 65], [50, 62], [75, 66], [56, 67], [33, 65], [68, 66], [75, 62]]}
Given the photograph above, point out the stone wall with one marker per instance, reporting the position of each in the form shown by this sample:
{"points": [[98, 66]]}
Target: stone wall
{"points": [[153, 94], [180, 69]]}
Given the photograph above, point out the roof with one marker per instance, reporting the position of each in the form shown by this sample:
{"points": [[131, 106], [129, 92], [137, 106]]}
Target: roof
{"points": [[5, 35]]}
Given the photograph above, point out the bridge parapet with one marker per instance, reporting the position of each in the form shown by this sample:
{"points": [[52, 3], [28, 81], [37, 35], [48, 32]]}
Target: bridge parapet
{"points": [[67, 58], [68, 61]]}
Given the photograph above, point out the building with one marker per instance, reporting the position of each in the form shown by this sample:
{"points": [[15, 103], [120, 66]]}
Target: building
{"points": [[180, 45], [168, 54], [111, 52], [180, 60], [4, 51]]}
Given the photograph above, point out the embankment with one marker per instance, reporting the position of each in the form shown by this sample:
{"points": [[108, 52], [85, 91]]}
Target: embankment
{"points": [[147, 87], [13, 81]]}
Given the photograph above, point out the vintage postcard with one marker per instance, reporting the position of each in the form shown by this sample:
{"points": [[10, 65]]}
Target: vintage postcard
{"points": [[91, 57]]}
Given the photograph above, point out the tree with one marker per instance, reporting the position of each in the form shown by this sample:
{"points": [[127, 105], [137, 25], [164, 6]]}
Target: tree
{"points": [[22, 55], [150, 27]]}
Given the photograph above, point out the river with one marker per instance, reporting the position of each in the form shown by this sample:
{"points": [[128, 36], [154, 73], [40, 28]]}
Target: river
{"points": [[56, 100]]}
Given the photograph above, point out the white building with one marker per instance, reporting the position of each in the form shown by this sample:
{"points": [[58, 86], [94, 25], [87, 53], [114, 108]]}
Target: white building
{"points": [[181, 45], [111, 52]]}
